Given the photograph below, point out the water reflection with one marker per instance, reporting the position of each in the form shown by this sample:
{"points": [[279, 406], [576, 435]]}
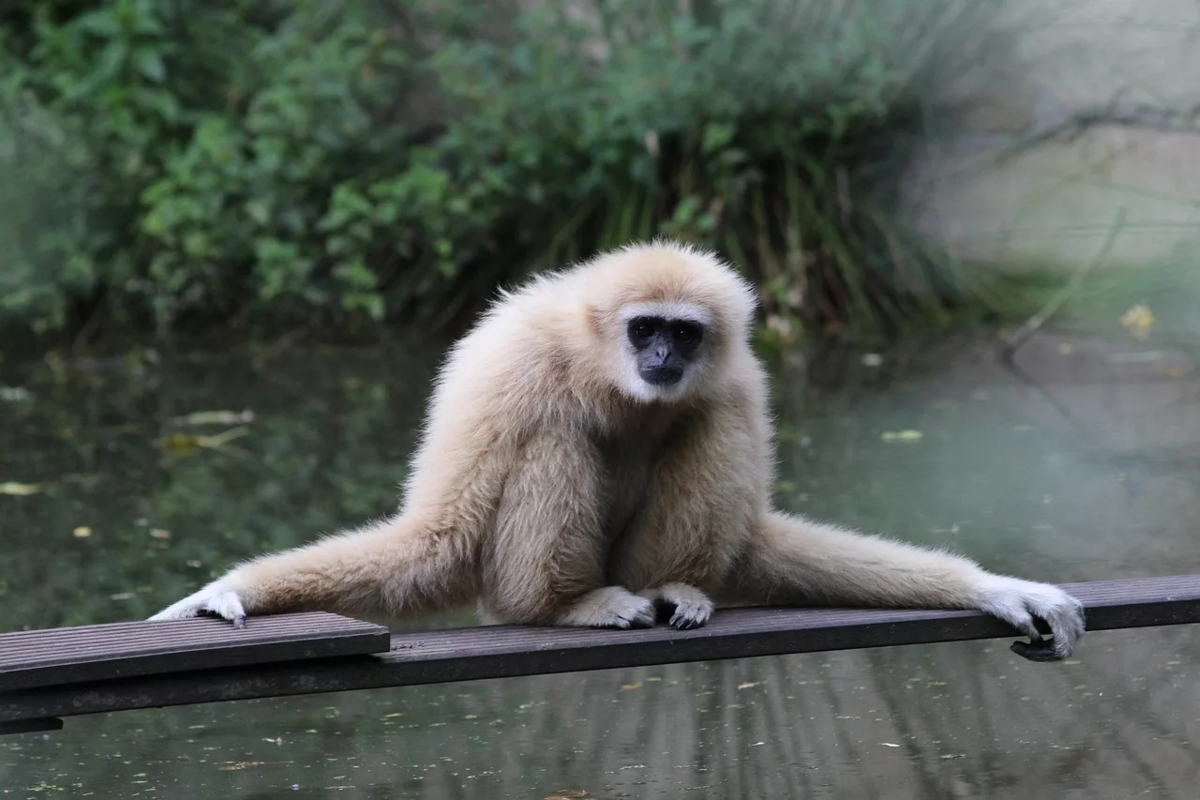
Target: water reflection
{"points": [[1085, 467]]}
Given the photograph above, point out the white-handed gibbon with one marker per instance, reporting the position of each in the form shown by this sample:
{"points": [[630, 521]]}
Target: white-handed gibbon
{"points": [[598, 452]]}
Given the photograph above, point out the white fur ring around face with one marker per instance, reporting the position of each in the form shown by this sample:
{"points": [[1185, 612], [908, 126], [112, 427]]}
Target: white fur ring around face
{"points": [[216, 598]]}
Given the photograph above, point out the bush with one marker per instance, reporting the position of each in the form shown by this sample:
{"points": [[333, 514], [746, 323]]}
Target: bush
{"points": [[174, 164]]}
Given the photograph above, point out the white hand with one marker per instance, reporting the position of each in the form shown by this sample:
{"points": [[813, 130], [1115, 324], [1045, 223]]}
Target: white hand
{"points": [[216, 598], [1022, 603]]}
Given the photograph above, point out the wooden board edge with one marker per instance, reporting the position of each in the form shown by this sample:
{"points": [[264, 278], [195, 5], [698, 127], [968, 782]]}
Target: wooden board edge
{"points": [[331, 644]]}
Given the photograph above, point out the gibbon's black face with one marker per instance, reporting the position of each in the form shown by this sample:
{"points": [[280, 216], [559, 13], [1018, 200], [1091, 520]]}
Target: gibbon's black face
{"points": [[664, 347]]}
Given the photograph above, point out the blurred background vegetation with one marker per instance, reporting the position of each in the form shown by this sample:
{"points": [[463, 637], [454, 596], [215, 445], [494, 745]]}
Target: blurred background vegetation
{"points": [[169, 165]]}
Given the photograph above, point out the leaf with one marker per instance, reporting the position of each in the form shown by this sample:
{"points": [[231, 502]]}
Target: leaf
{"points": [[150, 64], [1138, 320], [215, 418], [178, 443], [20, 489], [902, 436], [15, 394]]}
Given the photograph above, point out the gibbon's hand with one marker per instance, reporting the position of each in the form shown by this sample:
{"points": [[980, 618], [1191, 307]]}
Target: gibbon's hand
{"points": [[681, 604], [217, 599], [1035, 609]]}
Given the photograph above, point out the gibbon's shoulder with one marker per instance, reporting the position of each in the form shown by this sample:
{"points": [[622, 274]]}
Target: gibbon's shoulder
{"points": [[515, 359]]}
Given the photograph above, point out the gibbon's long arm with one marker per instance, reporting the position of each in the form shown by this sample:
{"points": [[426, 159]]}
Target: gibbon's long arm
{"points": [[393, 568], [794, 561]]}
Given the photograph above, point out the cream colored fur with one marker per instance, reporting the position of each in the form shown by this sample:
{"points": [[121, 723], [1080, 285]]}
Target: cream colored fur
{"points": [[554, 486]]}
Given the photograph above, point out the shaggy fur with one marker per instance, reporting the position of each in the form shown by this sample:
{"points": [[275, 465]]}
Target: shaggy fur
{"points": [[554, 486]]}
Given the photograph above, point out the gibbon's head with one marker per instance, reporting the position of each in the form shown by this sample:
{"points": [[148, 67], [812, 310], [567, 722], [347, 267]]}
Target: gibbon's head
{"points": [[669, 318]]}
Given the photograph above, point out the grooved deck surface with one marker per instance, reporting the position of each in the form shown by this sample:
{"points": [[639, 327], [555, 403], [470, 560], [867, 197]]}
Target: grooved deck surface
{"points": [[31, 659], [492, 652], [470, 653]]}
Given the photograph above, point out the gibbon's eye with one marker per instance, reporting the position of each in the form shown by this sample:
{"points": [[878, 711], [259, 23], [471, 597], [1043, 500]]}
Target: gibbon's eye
{"points": [[688, 333], [641, 329]]}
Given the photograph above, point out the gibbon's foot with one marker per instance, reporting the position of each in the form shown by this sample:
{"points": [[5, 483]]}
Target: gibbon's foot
{"points": [[681, 604], [610, 607], [1038, 610], [216, 599]]}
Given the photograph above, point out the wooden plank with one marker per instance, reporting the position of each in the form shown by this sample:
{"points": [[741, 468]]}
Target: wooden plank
{"points": [[37, 658], [493, 652]]}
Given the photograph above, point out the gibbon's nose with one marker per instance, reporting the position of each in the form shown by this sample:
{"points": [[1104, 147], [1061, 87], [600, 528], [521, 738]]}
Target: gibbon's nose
{"points": [[665, 375]]}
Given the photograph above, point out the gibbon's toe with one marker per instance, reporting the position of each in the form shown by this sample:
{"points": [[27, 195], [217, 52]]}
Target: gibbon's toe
{"points": [[681, 604], [643, 617], [610, 607], [688, 616]]}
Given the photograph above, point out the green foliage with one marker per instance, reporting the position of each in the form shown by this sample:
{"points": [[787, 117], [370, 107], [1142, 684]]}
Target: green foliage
{"points": [[170, 163]]}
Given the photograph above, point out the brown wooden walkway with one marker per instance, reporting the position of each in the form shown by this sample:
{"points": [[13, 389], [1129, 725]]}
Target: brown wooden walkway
{"points": [[49, 674]]}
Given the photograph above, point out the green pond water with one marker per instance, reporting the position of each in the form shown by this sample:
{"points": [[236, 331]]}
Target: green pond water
{"points": [[1083, 465]]}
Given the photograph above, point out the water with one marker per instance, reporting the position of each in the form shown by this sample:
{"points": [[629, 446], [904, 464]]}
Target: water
{"points": [[1085, 468]]}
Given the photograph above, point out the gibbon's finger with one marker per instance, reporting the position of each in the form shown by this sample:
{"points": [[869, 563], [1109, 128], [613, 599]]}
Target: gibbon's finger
{"points": [[1062, 615], [213, 599], [1015, 615], [1066, 627], [227, 605], [190, 606], [633, 618], [610, 607], [692, 612], [1051, 618], [688, 616], [681, 604], [1034, 651], [1066, 620], [642, 617]]}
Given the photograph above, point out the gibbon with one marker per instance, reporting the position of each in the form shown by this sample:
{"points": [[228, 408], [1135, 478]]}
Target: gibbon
{"points": [[598, 452]]}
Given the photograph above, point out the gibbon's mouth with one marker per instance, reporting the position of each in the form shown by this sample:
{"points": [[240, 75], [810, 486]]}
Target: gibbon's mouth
{"points": [[662, 376]]}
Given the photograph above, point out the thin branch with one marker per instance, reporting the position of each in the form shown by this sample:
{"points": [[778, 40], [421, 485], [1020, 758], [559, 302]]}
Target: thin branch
{"points": [[1035, 323], [1117, 112]]}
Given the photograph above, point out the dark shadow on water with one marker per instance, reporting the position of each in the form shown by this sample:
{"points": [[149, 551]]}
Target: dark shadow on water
{"points": [[1085, 465]]}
